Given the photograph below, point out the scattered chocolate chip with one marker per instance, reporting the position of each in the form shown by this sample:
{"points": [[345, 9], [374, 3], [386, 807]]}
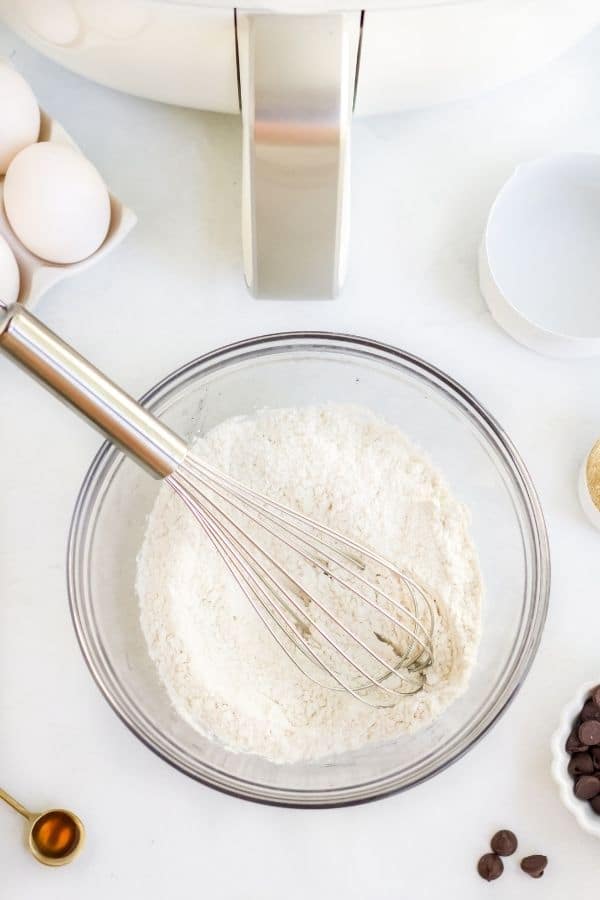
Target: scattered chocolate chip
{"points": [[534, 865], [595, 804], [590, 710], [587, 786], [581, 764], [504, 842], [595, 695], [589, 732], [573, 744], [596, 757], [490, 866]]}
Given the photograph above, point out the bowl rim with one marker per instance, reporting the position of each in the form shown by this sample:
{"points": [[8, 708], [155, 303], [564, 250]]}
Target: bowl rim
{"points": [[560, 759], [539, 588]]}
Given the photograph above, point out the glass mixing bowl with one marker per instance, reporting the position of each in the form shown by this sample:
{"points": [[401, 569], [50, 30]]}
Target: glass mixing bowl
{"points": [[478, 460]]}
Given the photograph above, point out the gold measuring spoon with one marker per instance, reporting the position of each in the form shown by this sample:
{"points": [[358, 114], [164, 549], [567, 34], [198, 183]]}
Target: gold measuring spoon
{"points": [[55, 837]]}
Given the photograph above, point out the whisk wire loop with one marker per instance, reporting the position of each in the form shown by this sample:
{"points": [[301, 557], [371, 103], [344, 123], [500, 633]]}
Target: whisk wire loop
{"points": [[284, 604], [289, 598]]}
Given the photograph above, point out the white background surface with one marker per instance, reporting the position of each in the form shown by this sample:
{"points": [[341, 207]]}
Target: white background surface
{"points": [[422, 185]]}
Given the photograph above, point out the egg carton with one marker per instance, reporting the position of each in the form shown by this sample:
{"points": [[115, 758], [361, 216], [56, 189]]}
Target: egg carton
{"points": [[38, 275]]}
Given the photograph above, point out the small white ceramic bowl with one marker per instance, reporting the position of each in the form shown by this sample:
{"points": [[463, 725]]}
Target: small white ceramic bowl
{"points": [[586, 817]]}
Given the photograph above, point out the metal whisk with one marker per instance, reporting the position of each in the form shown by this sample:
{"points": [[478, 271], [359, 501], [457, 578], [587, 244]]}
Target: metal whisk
{"points": [[347, 618]]}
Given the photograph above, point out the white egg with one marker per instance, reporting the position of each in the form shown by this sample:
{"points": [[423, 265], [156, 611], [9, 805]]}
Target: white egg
{"points": [[19, 115], [9, 273], [56, 202]]}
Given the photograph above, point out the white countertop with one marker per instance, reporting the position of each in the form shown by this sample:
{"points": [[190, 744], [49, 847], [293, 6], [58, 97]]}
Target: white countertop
{"points": [[423, 183]]}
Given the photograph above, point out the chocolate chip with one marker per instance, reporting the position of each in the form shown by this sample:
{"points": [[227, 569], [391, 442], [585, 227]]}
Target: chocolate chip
{"points": [[573, 744], [534, 865], [583, 745], [589, 732], [587, 786], [581, 764], [590, 710], [490, 866], [504, 842]]}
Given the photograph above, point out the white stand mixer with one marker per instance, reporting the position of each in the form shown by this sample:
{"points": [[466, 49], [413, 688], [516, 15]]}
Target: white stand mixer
{"points": [[297, 74]]}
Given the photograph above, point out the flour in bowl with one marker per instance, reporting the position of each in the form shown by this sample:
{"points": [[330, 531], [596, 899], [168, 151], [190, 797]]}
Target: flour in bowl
{"points": [[223, 671]]}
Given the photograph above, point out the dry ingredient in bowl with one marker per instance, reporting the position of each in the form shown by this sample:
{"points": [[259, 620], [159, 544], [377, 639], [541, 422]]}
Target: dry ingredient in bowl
{"points": [[223, 671]]}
